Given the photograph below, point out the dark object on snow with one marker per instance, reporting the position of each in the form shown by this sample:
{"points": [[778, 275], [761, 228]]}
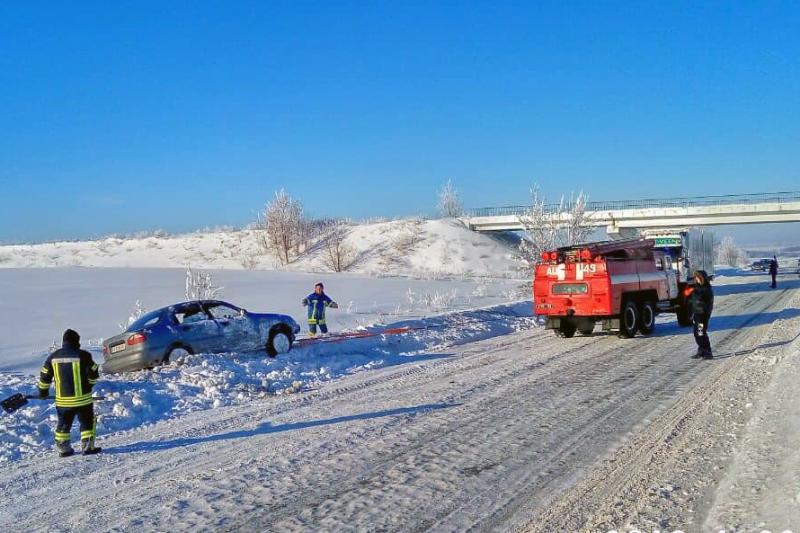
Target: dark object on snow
{"points": [[202, 326], [18, 400]]}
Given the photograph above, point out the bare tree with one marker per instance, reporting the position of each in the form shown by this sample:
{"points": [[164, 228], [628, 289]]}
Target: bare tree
{"points": [[450, 205], [282, 227], [337, 254], [200, 285], [547, 227], [728, 253]]}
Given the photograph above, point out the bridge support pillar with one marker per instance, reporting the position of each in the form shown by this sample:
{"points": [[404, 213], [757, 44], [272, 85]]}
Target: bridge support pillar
{"points": [[617, 234]]}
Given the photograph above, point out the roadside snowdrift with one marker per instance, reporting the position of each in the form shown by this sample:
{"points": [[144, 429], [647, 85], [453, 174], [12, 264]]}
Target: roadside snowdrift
{"points": [[412, 247], [200, 382]]}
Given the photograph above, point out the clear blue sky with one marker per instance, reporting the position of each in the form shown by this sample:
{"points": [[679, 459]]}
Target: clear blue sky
{"points": [[126, 116]]}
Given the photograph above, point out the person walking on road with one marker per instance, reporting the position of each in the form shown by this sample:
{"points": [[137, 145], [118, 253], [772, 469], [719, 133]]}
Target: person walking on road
{"points": [[74, 374], [773, 271], [317, 302], [701, 304]]}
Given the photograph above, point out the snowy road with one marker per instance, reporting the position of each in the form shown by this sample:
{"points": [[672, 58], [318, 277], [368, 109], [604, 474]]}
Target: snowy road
{"points": [[495, 434]]}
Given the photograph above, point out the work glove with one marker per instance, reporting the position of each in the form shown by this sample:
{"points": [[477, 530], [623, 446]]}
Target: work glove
{"points": [[334, 305], [304, 301], [43, 393]]}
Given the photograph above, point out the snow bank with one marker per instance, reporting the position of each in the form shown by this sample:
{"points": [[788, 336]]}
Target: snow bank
{"points": [[413, 247], [199, 382]]}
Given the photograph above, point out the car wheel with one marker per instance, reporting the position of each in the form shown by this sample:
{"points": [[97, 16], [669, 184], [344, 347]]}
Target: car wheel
{"points": [[176, 352], [629, 321], [280, 341], [647, 321]]}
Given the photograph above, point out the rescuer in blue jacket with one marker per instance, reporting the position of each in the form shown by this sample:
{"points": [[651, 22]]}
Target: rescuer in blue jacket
{"points": [[317, 302]]}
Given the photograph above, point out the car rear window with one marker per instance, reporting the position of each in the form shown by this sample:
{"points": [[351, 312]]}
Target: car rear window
{"points": [[570, 288], [145, 321]]}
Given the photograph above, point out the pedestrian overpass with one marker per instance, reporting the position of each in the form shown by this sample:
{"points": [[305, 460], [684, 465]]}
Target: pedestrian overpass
{"points": [[623, 218]]}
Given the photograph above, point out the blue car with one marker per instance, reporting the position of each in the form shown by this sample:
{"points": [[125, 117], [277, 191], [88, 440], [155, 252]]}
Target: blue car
{"points": [[203, 326]]}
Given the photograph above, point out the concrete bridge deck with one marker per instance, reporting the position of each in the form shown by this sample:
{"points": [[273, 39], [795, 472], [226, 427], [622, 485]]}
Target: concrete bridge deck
{"points": [[655, 213]]}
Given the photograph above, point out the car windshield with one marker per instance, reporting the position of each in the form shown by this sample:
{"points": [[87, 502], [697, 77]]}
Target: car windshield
{"points": [[146, 320]]}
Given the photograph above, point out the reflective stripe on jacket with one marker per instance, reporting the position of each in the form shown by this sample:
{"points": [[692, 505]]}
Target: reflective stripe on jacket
{"points": [[317, 303], [74, 374]]}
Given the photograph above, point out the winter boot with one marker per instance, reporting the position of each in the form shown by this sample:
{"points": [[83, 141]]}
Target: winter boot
{"points": [[64, 449], [698, 354], [707, 354], [88, 447]]}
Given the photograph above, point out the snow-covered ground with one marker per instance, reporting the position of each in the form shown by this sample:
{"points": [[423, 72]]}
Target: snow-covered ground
{"points": [[439, 268], [474, 421], [410, 248], [206, 381], [39, 304], [470, 418]]}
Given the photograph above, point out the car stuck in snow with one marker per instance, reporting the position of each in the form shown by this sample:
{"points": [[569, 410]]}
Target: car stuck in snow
{"points": [[203, 326]]}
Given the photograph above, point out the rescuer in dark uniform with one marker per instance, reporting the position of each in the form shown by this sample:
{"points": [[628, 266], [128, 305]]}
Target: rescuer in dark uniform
{"points": [[773, 270], [75, 374], [701, 303]]}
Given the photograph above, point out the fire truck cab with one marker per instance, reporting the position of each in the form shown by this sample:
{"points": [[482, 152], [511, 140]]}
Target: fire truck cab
{"points": [[621, 285]]}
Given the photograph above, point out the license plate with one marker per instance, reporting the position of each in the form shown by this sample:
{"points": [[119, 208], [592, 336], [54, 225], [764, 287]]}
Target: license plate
{"points": [[118, 348]]}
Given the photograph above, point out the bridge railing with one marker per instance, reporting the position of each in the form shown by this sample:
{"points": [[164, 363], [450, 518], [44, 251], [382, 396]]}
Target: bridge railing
{"points": [[615, 205]]}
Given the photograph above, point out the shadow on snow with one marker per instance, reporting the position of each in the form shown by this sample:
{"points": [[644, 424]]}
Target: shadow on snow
{"points": [[267, 428]]}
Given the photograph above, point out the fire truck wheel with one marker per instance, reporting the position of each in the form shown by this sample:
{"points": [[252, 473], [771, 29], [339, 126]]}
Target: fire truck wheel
{"points": [[684, 316], [629, 321], [586, 327], [647, 318], [566, 330]]}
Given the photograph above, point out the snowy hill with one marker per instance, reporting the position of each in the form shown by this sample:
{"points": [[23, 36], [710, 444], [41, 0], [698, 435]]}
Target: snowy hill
{"points": [[413, 247]]}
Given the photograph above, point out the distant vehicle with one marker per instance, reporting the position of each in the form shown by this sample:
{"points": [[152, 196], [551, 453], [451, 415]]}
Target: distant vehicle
{"points": [[204, 326], [689, 249], [761, 265]]}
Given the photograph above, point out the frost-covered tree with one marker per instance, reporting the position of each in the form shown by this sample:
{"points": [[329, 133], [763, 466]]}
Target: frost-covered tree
{"points": [[450, 204], [547, 227], [283, 227], [200, 285], [136, 314], [337, 254], [728, 253]]}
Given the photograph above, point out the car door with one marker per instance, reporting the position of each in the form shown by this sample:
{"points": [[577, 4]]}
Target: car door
{"points": [[196, 329], [238, 333]]}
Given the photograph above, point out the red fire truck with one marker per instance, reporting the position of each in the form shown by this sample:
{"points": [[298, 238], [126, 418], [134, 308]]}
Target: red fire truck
{"points": [[622, 285]]}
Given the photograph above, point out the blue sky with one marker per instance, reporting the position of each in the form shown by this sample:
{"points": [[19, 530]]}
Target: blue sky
{"points": [[127, 116]]}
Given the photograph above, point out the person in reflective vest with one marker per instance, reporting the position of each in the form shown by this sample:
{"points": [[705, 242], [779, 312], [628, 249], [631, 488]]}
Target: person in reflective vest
{"points": [[317, 302], [74, 374]]}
